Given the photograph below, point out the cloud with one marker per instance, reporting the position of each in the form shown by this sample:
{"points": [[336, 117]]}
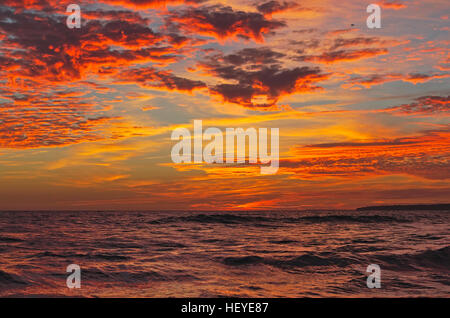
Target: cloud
{"points": [[342, 55], [355, 41], [372, 79], [377, 79], [424, 156], [150, 77], [50, 74], [341, 31], [341, 48], [393, 142], [253, 56], [223, 22], [147, 108], [422, 77], [302, 45], [425, 105], [46, 5], [392, 4], [257, 78], [118, 15], [144, 4], [35, 119], [43, 47], [271, 7], [60, 5]]}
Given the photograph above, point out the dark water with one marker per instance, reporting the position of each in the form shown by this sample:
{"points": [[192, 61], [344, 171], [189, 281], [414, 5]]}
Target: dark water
{"points": [[242, 254]]}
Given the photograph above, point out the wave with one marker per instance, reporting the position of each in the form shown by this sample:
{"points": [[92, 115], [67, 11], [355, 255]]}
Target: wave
{"points": [[243, 260], [170, 244], [11, 279], [304, 260], [355, 218], [219, 218], [433, 259], [282, 242], [136, 277], [97, 256], [120, 245], [7, 239], [436, 259], [261, 220], [315, 260]]}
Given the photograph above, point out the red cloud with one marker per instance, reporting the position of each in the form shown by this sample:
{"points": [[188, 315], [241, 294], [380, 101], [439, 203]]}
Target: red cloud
{"points": [[424, 156], [60, 5], [143, 4], [223, 22]]}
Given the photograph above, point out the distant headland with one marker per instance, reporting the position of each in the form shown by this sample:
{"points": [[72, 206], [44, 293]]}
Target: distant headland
{"points": [[401, 207]]}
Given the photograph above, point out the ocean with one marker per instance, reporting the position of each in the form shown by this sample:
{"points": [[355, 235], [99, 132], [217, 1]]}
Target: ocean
{"points": [[225, 254]]}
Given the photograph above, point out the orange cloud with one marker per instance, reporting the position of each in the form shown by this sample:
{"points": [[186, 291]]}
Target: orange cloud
{"points": [[147, 108], [425, 156], [393, 4]]}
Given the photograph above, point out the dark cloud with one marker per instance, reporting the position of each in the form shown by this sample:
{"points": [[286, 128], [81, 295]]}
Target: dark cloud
{"points": [[118, 15], [356, 41], [258, 78], [376, 79], [150, 77], [275, 6], [223, 22], [342, 55], [425, 105], [303, 45], [423, 77], [43, 46], [305, 31], [255, 56]]}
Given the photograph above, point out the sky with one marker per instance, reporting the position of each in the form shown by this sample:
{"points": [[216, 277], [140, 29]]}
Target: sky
{"points": [[86, 114]]}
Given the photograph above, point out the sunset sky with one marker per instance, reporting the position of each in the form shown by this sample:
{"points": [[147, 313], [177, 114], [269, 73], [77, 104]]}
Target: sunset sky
{"points": [[86, 114]]}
